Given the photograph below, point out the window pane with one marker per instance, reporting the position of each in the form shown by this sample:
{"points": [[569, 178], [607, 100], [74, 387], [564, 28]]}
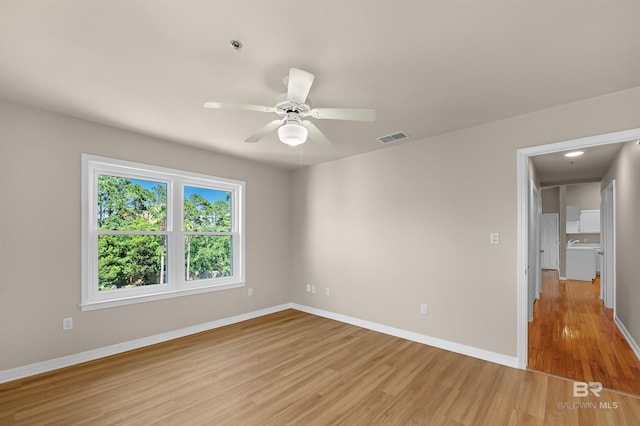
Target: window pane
{"points": [[131, 204], [207, 256], [126, 261], [207, 210]]}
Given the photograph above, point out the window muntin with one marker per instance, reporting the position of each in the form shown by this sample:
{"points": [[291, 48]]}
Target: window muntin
{"points": [[151, 232]]}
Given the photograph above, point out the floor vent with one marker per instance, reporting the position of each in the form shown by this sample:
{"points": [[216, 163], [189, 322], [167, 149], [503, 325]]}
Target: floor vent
{"points": [[393, 137]]}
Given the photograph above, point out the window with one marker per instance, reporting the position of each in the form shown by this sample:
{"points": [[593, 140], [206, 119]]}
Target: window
{"points": [[150, 233]]}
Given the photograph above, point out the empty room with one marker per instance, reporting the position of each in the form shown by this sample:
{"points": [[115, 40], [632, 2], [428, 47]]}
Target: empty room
{"points": [[253, 213]]}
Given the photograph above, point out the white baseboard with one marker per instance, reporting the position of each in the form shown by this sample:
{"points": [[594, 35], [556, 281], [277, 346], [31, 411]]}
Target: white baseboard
{"points": [[66, 361], [509, 361], [69, 360], [627, 336]]}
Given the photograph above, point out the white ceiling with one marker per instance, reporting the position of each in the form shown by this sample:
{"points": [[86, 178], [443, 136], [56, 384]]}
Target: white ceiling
{"points": [[556, 169], [426, 67]]}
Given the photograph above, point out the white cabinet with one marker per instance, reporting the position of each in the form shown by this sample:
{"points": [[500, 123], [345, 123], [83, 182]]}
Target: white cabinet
{"points": [[590, 221], [573, 227], [582, 221], [573, 213], [573, 219], [581, 263]]}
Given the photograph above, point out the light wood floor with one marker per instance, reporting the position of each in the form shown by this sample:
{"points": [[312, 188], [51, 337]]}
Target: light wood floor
{"points": [[295, 368], [572, 335]]}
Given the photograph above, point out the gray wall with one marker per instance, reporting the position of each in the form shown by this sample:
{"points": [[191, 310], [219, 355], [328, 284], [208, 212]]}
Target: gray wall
{"points": [[551, 200], [391, 229], [626, 171], [584, 195], [40, 238], [587, 197], [385, 231]]}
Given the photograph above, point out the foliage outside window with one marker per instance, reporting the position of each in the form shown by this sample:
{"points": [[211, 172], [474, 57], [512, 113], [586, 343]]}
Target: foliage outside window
{"points": [[151, 233], [207, 225]]}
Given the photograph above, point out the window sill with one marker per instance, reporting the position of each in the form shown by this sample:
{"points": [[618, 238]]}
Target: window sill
{"points": [[90, 306]]}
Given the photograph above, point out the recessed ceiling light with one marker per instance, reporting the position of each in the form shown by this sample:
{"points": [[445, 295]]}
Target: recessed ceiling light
{"points": [[574, 154]]}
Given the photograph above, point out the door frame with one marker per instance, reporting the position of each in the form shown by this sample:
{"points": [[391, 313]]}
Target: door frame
{"points": [[608, 246], [534, 265], [522, 170]]}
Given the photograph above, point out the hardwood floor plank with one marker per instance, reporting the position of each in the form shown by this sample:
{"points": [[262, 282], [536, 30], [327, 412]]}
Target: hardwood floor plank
{"points": [[295, 368], [574, 336]]}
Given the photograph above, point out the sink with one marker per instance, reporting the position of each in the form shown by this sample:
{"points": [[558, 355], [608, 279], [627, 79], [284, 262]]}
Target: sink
{"points": [[583, 246]]}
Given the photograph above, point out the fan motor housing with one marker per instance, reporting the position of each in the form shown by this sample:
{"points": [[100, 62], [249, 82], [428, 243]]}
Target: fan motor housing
{"points": [[285, 106]]}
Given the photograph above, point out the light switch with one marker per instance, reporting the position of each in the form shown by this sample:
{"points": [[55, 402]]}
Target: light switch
{"points": [[494, 238]]}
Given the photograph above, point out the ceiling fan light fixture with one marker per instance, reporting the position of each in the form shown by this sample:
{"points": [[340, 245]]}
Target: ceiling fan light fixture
{"points": [[292, 107], [292, 133]]}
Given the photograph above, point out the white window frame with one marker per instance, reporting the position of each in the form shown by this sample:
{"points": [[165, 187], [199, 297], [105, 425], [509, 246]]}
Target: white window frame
{"points": [[177, 285]]}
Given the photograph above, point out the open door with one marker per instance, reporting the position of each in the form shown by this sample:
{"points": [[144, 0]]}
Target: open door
{"points": [[534, 270], [608, 245], [550, 240]]}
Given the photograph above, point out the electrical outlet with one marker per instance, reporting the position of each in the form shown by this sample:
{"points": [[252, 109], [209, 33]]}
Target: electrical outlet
{"points": [[313, 289], [423, 308], [308, 288], [327, 291], [250, 291], [67, 323]]}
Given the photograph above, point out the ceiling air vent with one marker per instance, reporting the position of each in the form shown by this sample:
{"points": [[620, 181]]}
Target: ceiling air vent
{"points": [[393, 137]]}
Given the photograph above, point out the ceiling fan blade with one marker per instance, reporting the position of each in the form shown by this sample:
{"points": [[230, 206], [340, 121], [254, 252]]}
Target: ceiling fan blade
{"points": [[344, 114], [248, 107], [315, 135], [264, 131], [299, 85]]}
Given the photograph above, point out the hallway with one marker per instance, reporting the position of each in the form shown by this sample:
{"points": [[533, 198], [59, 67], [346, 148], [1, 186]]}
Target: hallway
{"points": [[574, 336]]}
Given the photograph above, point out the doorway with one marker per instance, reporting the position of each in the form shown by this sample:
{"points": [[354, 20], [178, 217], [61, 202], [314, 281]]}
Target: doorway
{"points": [[574, 336], [523, 179]]}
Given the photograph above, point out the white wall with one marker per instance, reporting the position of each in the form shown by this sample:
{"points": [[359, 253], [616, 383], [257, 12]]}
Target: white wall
{"points": [[40, 238], [391, 229]]}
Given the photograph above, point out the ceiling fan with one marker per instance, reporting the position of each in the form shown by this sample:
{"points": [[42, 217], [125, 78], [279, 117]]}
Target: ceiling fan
{"points": [[292, 107]]}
